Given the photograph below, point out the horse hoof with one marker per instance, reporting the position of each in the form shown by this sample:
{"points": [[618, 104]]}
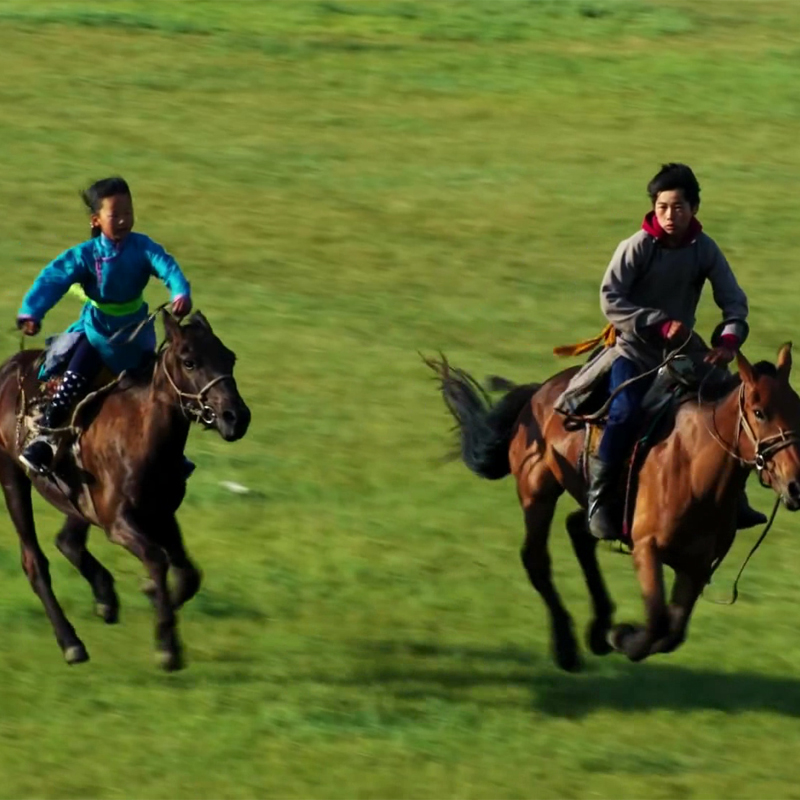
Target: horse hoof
{"points": [[567, 657], [76, 654], [617, 635], [569, 662], [598, 637], [169, 660], [107, 612]]}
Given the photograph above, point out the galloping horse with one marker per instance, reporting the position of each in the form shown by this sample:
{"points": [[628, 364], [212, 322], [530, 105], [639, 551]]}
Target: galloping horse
{"points": [[684, 511], [127, 474]]}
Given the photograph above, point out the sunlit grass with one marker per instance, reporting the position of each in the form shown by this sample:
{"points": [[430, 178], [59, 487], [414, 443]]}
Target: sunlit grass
{"points": [[346, 183]]}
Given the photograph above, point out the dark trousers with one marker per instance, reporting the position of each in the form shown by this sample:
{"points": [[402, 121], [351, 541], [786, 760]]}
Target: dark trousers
{"points": [[623, 413], [85, 361]]}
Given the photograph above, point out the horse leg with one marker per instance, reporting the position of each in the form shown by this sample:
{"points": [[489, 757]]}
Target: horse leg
{"points": [[187, 576], [585, 547], [536, 559], [17, 491], [636, 641], [685, 591], [71, 541], [168, 648]]}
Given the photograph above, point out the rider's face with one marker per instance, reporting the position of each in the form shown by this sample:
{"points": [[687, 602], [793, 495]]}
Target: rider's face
{"points": [[115, 217], [674, 213]]}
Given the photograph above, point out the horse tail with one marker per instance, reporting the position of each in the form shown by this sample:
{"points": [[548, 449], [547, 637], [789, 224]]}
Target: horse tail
{"points": [[485, 429]]}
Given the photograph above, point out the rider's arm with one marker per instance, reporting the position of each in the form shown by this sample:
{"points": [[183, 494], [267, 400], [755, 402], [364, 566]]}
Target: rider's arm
{"points": [[729, 296], [615, 291], [166, 268], [52, 284]]}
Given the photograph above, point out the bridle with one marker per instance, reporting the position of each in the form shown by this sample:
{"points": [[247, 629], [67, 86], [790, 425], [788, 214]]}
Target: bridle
{"points": [[764, 449], [197, 409]]}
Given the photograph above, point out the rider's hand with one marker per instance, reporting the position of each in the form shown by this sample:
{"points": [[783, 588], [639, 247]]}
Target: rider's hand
{"points": [[720, 356], [676, 330], [30, 327], [181, 306]]}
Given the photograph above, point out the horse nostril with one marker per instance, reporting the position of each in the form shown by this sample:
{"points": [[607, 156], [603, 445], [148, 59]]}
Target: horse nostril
{"points": [[229, 417], [794, 490]]}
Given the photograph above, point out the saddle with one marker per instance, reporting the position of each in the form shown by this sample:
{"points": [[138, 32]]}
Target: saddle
{"points": [[37, 394], [681, 380]]}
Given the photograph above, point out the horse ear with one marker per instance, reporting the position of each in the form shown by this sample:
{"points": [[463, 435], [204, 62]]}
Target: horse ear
{"points": [[785, 362], [172, 328], [199, 318], [746, 371]]}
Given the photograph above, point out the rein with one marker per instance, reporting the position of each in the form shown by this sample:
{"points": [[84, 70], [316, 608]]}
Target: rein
{"points": [[735, 590], [603, 410], [764, 450]]}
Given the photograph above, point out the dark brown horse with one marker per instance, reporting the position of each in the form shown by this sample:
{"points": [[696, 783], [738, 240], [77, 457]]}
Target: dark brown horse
{"points": [[128, 476], [683, 513]]}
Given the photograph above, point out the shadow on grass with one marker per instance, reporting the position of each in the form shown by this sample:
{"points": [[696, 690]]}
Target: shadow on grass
{"points": [[416, 669]]}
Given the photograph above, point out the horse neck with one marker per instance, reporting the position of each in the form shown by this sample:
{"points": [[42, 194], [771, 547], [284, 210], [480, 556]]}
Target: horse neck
{"points": [[721, 452], [166, 427]]}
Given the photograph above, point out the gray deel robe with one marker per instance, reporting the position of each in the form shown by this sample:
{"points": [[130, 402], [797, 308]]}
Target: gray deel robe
{"points": [[646, 285]]}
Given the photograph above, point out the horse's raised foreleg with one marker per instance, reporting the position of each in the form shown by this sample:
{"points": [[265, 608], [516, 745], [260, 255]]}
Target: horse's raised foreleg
{"points": [[634, 641], [539, 510], [585, 547], [127, 533], [186, 575], [71, 541], [685, 591], [17, 492]]}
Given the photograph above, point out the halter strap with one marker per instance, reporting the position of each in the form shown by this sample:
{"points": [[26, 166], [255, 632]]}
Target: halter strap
{"points": [[202, 412], [764, 448]]}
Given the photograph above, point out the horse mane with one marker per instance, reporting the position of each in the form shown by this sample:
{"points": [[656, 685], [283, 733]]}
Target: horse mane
{"points": [[142, 375], [765, 369]]}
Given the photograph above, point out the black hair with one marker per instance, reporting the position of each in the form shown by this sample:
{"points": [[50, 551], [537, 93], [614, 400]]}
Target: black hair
{"points": [[107, 187], [675, 176]]}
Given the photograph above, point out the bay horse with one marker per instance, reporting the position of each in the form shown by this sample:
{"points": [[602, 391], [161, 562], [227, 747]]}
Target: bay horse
{"points": [[127, 475], [683, 512]]}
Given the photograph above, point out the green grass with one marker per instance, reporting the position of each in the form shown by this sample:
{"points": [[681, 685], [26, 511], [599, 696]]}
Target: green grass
{"points": [[346, 182]]}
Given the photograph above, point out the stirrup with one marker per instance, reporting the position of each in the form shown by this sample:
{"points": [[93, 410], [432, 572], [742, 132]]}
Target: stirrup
{"points": [[43, 464]]}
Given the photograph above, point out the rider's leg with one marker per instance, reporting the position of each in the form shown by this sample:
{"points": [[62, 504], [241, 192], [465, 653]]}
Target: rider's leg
{"points": [[618, 437], [84, 366]]}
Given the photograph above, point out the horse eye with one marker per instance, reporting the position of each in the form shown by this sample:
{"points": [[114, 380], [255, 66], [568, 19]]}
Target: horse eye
{"points": [[759, 415], [188, 363]]}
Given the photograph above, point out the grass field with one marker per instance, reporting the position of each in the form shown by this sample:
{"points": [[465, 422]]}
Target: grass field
{"points": [[346, 182]]}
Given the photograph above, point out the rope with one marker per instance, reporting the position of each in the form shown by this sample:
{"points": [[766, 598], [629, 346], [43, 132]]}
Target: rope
{"points": [[640, 444], [607, 337], [598, 415], [735, 590], [764, 449], [203, 413]]}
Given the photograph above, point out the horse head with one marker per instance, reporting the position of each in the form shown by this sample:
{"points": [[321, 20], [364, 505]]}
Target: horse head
{"points": [[770, 418], [199, 368]]}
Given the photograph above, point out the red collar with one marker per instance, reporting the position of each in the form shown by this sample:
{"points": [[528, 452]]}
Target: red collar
{"points": [[651, 225]]}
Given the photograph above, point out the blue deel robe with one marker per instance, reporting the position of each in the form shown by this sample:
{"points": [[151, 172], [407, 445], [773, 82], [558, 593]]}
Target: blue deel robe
{"points": [[107, 273]]}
